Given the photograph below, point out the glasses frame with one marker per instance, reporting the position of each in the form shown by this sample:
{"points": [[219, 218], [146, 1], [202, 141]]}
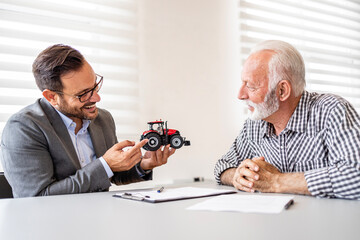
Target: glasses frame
{"points": [[83, 94]]}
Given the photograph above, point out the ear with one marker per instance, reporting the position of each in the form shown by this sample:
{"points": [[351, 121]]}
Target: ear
{"points": [[51, 96], [284, 90]]}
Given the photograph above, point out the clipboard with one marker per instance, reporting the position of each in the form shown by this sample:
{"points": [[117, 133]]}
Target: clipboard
{"points": [[172, 194]]}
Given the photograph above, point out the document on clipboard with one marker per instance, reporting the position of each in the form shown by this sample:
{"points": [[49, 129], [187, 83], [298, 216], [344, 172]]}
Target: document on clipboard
{"points": [[172, 194]]}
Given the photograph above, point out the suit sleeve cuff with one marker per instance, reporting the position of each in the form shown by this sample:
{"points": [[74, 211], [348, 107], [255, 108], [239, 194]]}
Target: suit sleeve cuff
{"points": [[142, 173], [106, 167]]}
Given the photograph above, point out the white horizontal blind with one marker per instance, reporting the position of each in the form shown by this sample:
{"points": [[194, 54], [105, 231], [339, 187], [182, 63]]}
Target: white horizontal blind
{"points": [[104, 31], [326, 32]]}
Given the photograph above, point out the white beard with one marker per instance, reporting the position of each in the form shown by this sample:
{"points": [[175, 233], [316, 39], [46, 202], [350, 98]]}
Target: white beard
{"points": [[264, 109]]}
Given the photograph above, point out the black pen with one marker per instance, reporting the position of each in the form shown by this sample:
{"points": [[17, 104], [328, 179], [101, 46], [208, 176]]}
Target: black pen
{"points": [[160, 190], [291, 202]]}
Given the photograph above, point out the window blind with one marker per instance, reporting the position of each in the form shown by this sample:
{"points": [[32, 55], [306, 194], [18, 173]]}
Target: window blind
{"points": [[104, 31], [326, 32]]}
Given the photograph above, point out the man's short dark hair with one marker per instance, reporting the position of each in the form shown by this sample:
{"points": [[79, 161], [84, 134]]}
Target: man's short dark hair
{"points": [[54, 62]]}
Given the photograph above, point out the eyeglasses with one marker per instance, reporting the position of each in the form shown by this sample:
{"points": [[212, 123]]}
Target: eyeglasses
{"points": [[84, 97]]}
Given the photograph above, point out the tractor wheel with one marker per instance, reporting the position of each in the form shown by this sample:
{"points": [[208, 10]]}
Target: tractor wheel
{"points": [[176, 141], [154, 142]]}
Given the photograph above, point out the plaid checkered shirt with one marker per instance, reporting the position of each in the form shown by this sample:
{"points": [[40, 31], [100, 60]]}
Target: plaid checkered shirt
{"points": [[321, 139]]}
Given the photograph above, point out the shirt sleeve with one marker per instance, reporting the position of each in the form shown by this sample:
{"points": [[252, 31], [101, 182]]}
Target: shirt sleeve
{"points": [[341, 179], [106, 167], [239, 150]]}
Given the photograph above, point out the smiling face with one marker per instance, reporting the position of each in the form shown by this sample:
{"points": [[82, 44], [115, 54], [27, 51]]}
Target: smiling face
{"points": [[255, 86], [76, 83]]}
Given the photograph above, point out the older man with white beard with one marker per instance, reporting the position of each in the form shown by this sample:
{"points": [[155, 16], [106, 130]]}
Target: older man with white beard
{"points": [[295, 141]]}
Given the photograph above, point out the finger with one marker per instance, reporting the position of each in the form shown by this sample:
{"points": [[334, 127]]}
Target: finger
{"points": [[166, 154], [249, 174], [248, 163], [244, 182], [240, 179], [166, 151], [172, 151], [137, 147], [153, 156], [241, 187], [123, 144], [260, 161], [130, 162], [141, 143], [159, 155], [259, 158], [169, 151], [136, 158]]}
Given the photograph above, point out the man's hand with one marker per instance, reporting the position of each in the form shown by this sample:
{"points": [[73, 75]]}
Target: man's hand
{"points": [[256, 174], [157, 158], [120, 160], [245, 175], [269, 175]]}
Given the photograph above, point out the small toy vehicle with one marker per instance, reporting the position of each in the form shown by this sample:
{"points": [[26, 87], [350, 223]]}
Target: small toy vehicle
{"points": [[162, 136]]}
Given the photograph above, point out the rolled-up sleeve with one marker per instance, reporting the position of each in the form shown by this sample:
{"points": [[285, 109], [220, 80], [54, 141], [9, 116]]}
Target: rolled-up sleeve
{"points": [[239, 150]]}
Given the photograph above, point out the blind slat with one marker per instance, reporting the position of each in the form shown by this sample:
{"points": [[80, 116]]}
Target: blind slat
{"points": [[300, 11], [83, 13], [100, 44], [58, 24]]}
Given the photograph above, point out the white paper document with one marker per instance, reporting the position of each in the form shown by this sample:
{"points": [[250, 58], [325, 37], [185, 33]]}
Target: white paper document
{"points": [[252, 203], [172, 194]]}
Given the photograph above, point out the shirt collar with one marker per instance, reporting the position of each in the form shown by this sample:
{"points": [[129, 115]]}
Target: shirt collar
{"points": [[298, 120], [68, 122], [267, 128]]}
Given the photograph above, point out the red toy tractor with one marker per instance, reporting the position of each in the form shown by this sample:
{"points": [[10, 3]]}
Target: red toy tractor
{"points": [[162, 136]]}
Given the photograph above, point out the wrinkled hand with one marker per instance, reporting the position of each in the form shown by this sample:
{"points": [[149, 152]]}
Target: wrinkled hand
{"points": [[157, 158], [120, 160], [256, 174]]}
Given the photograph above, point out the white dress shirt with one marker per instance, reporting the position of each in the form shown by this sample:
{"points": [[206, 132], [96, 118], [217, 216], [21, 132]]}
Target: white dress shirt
{"points": [[83, 144]]}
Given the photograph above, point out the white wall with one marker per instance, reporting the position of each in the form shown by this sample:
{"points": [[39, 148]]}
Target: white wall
{"points": [[189, 75]]}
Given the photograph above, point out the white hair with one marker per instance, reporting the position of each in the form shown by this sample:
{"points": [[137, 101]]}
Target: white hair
{"points": [[286, 64]]}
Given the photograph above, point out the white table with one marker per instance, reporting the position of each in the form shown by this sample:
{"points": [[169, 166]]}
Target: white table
{"points": [[101, 216]]}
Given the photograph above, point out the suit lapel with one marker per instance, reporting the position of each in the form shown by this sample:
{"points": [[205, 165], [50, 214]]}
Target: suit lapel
{"points": [[97, 138], [61, 131]]}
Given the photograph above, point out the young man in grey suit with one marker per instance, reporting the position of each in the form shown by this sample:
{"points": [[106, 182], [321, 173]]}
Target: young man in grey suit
{"points": [[63, 143]]}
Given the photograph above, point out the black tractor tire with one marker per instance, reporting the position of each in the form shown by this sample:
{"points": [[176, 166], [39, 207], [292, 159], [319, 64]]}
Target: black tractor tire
{"points": [[176, 141], [154, 142]]}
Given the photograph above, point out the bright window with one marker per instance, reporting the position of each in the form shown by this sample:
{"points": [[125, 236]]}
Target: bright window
{"points": [[104, 31], [326, 32]]}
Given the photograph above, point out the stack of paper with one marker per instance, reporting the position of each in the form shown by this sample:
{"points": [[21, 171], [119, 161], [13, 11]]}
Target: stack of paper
{"points": [[245, 203]]}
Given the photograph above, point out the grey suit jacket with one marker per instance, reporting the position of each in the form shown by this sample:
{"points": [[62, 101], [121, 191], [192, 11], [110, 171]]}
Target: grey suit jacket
{"points": [[39, 158]]}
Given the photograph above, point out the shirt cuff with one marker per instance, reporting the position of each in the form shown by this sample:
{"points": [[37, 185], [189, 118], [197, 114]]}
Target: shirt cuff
{"points": [[141, 171], [319, 182], [222, 167], [106, 167]]}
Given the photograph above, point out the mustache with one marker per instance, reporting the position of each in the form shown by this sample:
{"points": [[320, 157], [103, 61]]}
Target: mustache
{"points": [[88, 104], [250, 103]]}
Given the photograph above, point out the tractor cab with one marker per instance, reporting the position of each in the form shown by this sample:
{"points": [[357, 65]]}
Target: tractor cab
{"points": [[158, 126]]}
